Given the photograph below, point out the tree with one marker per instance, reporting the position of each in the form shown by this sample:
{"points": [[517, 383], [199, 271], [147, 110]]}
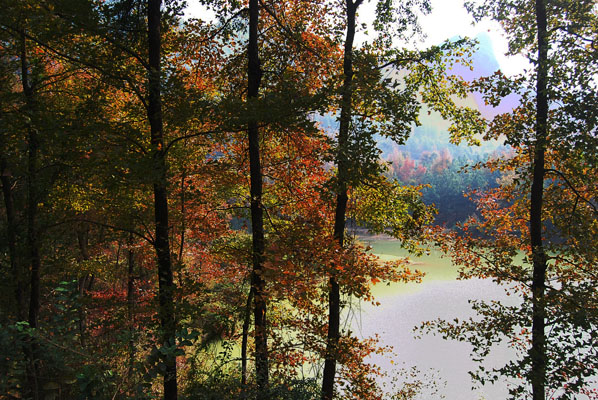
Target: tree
{"points": [[342, 161], [538, 349], [257, 216], [548, 120], [293, 62], [161, 238], [370, 104]]}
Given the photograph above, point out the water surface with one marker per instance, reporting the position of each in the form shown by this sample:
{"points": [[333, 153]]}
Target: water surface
{"points": [[440, 295]]}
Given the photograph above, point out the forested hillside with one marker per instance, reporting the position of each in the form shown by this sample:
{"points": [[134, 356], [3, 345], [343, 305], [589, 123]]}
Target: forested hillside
{"points": [[176, 193], [428, 157]]}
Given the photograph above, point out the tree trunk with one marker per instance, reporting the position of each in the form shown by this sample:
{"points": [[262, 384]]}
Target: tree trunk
{"points": [[161, 241], [538, 350], [257, 217], [32, 209], [84, 282], [183, 219], [334, 306], [11, 236], [244, 337], [32, 189], [131, 303]]}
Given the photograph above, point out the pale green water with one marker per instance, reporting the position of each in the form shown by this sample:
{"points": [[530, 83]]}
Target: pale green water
{"points": [[440, 295], [432, 263]]}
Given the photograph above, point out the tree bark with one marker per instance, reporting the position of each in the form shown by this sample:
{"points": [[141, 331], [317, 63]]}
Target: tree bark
{"points": [[84, 282], [258, 283], [538, 350], [32, 209], [11, 236], [244, 338], [32, 189], [334, 306], [183, 219], [131, 303], [161, 240]]}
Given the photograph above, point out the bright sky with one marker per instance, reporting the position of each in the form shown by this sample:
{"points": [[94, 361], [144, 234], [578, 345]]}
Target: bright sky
{"points": [[448, 19]]}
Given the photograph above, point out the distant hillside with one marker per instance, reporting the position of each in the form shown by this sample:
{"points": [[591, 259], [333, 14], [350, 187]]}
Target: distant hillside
{"points": [[429, 158]]}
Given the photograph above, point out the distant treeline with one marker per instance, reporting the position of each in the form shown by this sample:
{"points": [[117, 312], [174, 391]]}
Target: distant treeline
{"points": [[449, 180]]}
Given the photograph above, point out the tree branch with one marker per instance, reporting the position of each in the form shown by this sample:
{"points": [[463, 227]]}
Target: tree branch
{"points": [[579, 195], [102, 224], [136, 91]]}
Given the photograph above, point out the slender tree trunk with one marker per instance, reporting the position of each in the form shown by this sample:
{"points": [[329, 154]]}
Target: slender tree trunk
{"points": [[84, 282], [131, 303], [257, 216], [183, 218], [334, 306], [538, 350], [11, 236], [32, 189], [161, 241], [244, 338], [32, 209], [83, 242]]}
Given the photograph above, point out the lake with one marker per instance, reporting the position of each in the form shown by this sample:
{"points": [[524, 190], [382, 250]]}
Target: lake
{"points": [[405, 306]]}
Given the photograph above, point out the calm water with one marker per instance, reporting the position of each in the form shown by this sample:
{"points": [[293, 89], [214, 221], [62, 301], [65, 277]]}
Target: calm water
{"points": [[440, 295]]}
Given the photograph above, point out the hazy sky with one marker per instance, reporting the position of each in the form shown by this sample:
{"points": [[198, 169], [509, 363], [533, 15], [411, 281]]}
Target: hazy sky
{"points": [[448, 19]]}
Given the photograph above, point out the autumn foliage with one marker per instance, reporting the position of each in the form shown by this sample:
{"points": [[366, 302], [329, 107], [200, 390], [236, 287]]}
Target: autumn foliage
{"points": [[129, 264]]}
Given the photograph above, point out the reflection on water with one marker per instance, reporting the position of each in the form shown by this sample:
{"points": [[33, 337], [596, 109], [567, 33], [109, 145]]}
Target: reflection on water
{"points": [[440, 295]]}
